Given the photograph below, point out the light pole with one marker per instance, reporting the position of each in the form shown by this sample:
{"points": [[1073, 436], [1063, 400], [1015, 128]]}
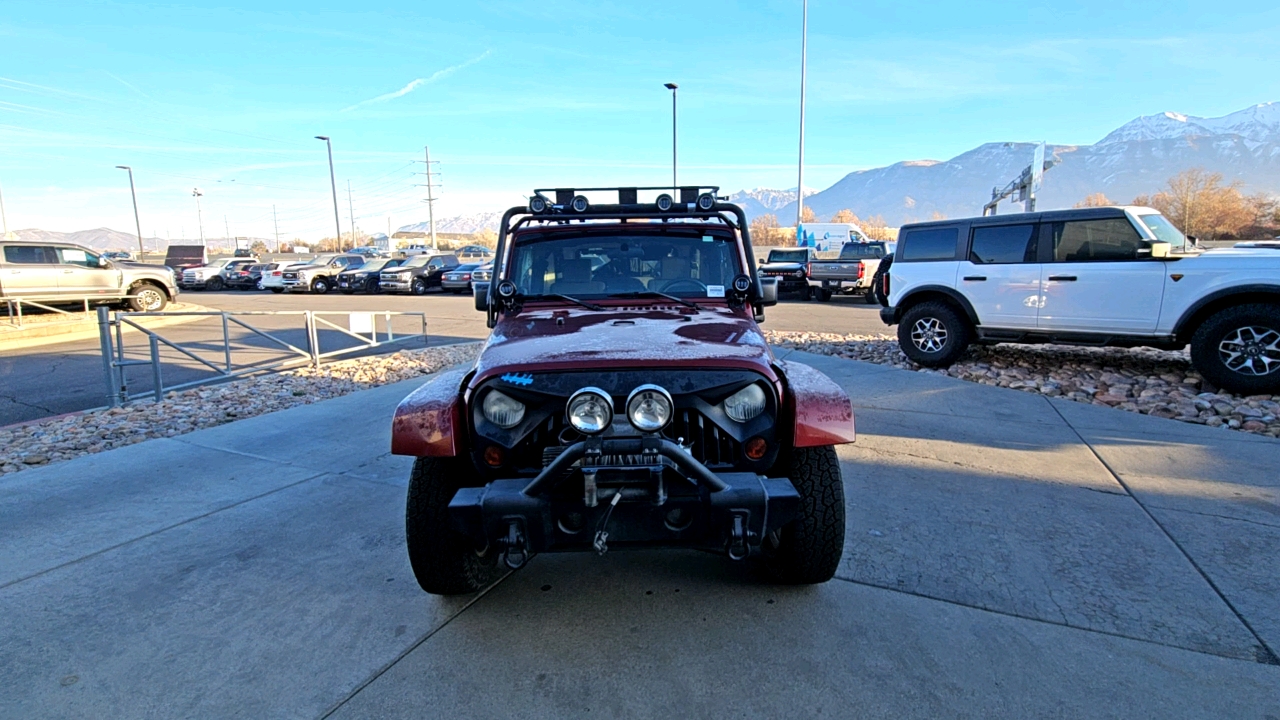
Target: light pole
{"points": [[136, 222], [195, 192], [804, 55], [3, 220], [675, 186], [333, 184]]}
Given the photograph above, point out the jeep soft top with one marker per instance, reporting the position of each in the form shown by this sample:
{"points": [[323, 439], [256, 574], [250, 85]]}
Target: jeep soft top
{"points": [[625, 398]]}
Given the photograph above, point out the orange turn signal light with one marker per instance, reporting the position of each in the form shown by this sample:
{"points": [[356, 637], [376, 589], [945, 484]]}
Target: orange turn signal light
{"points": [[493, 456], [756, 448]]}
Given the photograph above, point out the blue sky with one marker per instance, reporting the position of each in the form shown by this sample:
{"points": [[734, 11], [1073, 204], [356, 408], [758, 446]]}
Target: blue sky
{"points": [[513, 95]]}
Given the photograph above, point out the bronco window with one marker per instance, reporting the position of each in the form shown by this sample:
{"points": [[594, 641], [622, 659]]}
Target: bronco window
{"points": [[602, 265], [934, 244], [1094, 240], [1003, 244]]}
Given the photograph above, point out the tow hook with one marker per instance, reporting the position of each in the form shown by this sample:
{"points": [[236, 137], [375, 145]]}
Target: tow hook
{"points": [[517, 546], [738, 537]]}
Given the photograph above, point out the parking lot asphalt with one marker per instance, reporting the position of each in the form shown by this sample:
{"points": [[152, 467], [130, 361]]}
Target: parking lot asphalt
{"points": [[1006, 556], [67, 377]]}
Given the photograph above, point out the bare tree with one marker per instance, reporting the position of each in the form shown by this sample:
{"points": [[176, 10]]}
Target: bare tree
{"points": [[1200, 206], [845, 216], [807, 215]]}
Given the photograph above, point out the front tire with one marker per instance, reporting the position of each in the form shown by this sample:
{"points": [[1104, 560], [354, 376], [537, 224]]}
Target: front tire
{"points": [[418, 286], [320, 286], [444, 561], [807, 550], [214, 285], [933, 334], [147, 298], [1238, 349]]}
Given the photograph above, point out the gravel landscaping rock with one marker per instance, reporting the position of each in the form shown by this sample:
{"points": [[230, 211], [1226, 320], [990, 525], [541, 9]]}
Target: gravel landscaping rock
{"points": [[63, 438], [1142, 380]]}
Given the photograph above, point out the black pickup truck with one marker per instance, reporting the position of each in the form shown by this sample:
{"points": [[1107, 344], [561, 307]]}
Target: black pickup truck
{"points": [[791, 267]]}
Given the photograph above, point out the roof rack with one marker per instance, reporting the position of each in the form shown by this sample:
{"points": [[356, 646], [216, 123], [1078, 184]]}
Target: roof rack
{"points": [[571, 200]]}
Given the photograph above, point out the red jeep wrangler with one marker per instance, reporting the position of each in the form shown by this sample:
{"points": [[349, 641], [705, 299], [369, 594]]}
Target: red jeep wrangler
{"points": [[625, 398]]}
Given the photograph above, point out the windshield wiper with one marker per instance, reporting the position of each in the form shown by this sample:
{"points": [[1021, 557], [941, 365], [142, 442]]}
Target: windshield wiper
{"points": [[558, 296], [655, 293]]}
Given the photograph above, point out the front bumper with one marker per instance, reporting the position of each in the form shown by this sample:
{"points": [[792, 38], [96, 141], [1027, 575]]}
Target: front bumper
{"points": [[602, 493], [394, 285]]}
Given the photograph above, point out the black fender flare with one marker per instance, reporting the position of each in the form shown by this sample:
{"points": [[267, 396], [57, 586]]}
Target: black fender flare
{"points": [[960, 300], [1206, 305]]}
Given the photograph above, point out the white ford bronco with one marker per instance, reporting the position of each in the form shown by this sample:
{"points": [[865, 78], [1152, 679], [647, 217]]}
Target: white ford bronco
{"points": [[1112, 276]]}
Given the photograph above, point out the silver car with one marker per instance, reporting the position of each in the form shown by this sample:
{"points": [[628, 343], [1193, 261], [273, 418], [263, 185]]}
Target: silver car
{"points": [[55, 272]]}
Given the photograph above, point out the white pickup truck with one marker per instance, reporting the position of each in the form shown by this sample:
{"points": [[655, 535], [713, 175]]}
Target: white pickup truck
{"points": [[851, 273], [1112, 276]]}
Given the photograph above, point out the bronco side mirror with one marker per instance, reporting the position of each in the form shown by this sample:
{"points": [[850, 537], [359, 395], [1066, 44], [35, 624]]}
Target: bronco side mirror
{"points": [[1156, 251], [768, 291], [481, 293]]}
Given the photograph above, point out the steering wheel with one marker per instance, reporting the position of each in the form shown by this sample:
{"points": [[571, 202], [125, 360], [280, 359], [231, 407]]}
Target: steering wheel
{"points": [[689, 285]]}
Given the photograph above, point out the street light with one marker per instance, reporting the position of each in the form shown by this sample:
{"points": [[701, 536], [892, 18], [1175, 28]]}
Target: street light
{"points": [[136, 222], [195, 192], [804, 55], [672, 87], [333, 183]]}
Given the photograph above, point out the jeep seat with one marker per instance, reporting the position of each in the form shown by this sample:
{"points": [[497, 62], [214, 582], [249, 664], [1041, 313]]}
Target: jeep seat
{"points": [[575, 278], [670, 270]]}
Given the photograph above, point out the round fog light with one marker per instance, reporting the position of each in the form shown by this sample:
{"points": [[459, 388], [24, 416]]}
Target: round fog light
{"points": [[706, 201], [579, 203], [756, 448], [664, 202], [590, 411], [649, 408], [537, 204]]}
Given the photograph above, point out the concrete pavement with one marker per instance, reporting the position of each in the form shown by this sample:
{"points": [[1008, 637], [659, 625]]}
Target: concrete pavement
{"points": [[1007, 555]]}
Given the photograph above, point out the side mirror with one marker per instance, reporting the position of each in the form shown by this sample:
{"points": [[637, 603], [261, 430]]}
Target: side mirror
{"points": [[1160, 249], [768, 291], [481, 293], [103, 262]]}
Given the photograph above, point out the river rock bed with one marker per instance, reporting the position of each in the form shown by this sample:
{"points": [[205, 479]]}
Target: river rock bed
{"points": [[62, 438], [1142, 380]]}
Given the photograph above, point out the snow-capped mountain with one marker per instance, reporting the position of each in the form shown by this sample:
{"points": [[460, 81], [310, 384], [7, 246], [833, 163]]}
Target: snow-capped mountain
{"points": [[1135, 159], [458, 224], [762, 201], [97, 239]]}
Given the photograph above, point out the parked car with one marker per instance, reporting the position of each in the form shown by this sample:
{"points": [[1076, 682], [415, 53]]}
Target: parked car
{"points": [[484, 273], [474, 252], [636, 405], [118, 255], [273, 279], [64, 270], [249, 277], [458, 280], [319, 275], [368, 251], [366, 277], [418, 274], [851, 273], [791, 267], [1112, 276], [214, 276]]}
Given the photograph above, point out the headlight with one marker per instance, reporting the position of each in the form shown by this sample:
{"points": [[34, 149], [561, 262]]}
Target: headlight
{"points": [[501, 410], [745, 404], [649, 408], [590, 410]]}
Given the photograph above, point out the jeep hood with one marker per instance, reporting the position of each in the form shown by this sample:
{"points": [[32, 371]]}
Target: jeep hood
{"points": [[561, 339]]}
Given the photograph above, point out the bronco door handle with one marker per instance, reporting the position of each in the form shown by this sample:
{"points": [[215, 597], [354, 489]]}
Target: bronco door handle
{"points": [[975, 278], [1062, 278]]}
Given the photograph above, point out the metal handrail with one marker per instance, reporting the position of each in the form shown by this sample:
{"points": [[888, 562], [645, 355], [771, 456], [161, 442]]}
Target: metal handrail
{"points": [[114, 361], [15, 303]]}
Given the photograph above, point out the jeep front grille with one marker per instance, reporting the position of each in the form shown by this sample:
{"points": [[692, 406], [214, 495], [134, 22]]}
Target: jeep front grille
{"points": [[707, 443]]}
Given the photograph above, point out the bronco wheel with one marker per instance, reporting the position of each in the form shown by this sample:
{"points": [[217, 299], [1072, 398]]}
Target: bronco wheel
{"points": [[147, 298], [807, 550], [319, 286], [214, 284], [933, 334], [444, 561], [418, 286], [1238, 349]]}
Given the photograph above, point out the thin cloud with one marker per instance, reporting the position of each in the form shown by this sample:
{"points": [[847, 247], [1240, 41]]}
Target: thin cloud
{"points": [[127, 84], [417, 83]]}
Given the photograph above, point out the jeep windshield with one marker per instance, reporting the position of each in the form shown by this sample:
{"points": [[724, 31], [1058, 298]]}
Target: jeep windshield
{"points": [[781, 256], [680, 264]]}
